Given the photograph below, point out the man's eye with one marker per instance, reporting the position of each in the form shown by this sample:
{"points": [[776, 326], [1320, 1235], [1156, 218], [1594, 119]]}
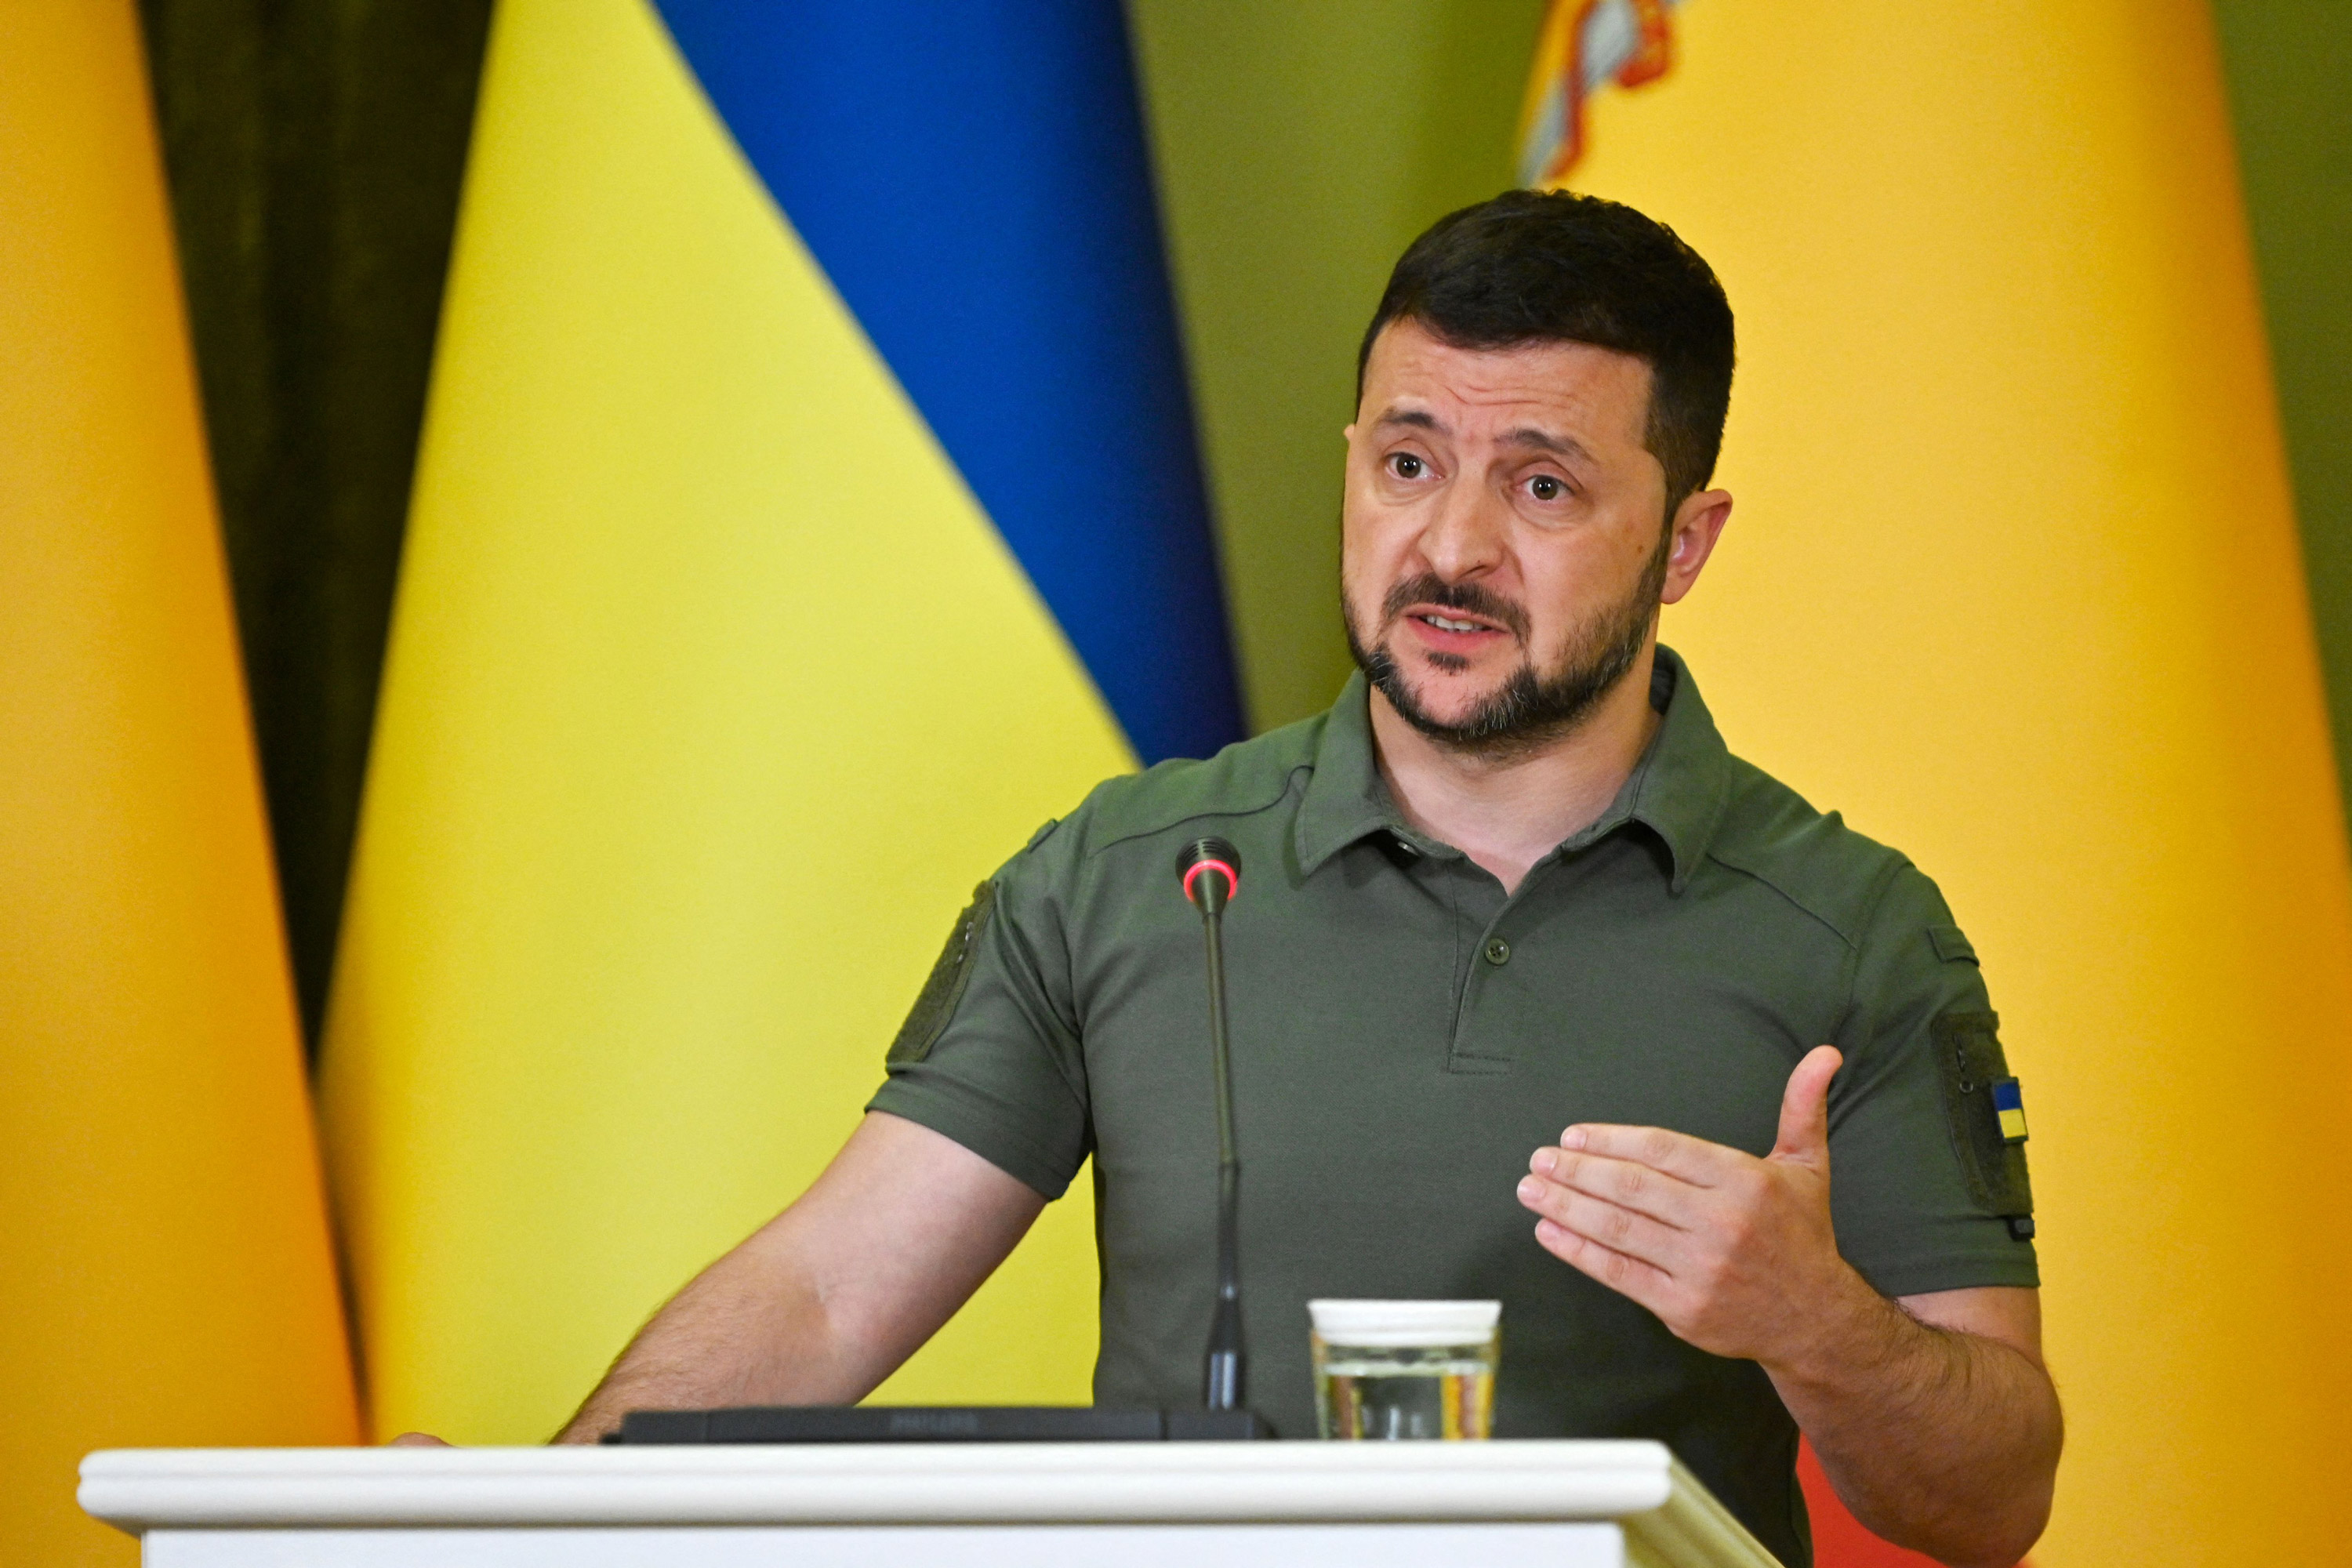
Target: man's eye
{"points": [[1543, 487], [1405, 466]]}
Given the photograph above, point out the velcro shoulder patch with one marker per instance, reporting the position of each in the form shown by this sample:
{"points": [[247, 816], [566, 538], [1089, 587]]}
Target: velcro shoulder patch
{"points": [[1975, 1077], [936, 1003]]}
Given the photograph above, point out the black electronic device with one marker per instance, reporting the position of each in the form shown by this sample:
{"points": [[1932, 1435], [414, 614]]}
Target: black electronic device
{"points": [[935, 1424], [1210, 873]]}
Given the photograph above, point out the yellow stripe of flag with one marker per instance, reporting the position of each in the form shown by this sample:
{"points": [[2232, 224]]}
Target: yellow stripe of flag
{"points": [[712, 694]]}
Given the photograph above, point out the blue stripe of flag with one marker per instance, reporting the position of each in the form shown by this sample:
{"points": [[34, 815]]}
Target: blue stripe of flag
{"points": [[973, 178]]}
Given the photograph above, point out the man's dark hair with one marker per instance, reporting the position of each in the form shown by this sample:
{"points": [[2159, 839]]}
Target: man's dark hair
{"points": [[1529, 267]]}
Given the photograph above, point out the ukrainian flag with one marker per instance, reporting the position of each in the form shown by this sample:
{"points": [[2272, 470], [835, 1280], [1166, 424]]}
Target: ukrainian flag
{"points": [[808, 508], [2009, 1106]]}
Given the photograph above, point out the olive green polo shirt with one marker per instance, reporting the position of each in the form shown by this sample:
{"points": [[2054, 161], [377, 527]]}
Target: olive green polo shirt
{"points": [[1404, 1035]]}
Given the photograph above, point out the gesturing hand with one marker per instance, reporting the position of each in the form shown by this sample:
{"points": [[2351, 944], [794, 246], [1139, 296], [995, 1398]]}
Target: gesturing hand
{"points": [[1734, 1254]]}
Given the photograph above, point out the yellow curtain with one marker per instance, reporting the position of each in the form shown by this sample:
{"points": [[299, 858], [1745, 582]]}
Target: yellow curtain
{"points": [[165, 1271], [2013, 581]]}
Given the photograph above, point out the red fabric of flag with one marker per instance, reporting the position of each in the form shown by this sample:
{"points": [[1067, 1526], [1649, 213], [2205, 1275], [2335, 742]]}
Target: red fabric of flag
{"points": [[1839, 1539]]}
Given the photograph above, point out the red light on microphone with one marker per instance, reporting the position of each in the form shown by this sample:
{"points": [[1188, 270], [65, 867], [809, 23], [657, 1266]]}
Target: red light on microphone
{"points": [[1215, 855]]}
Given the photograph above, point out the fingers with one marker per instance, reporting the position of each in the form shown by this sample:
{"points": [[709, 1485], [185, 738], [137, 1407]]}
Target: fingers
{"points": [[1677, 1155], [1645, 1283], [1805, 1109], [416, 1440], [1626, 1183], [1618, 1229]]}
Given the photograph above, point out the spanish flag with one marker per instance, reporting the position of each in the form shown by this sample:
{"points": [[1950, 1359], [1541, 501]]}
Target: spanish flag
{"points": [[165, 1271], [808, 509], [2014, 581]]}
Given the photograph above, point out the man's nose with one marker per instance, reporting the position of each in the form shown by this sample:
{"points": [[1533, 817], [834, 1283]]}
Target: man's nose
{"points": [[1463, 534]]}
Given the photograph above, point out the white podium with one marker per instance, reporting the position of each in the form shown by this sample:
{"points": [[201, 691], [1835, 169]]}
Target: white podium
{"points": [[1151, 1505]]}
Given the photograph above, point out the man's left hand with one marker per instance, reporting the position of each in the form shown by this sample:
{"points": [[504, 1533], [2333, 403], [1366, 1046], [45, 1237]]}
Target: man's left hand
{"points": [[1735, 1254]]}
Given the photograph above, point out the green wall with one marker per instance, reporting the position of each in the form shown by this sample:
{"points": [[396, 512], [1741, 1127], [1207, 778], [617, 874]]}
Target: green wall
{"points": [[1301, 146], [2289, 71]]}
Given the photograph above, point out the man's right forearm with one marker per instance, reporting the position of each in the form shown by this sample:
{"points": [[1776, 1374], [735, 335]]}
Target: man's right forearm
{"points": [[825, 1299], [742, 1332]]}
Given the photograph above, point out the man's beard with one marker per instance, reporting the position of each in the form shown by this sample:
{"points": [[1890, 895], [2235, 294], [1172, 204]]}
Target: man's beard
{"points": [[1527, 710]]}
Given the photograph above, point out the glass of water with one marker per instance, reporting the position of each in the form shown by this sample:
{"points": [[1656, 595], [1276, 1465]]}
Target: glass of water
{"points": [[1404, 1369]]}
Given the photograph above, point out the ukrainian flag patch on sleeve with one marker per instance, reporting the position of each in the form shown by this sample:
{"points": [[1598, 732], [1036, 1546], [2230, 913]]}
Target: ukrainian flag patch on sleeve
{"points": [[2008, 1104]]}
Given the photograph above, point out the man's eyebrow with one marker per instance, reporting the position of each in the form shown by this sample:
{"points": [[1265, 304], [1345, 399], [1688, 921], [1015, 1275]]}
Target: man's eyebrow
{"points": [[1545, 441], [1526, 435]]}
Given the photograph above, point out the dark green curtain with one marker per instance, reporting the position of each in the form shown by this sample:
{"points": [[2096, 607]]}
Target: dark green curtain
{"points": [[2289, 75], [315, 150]]}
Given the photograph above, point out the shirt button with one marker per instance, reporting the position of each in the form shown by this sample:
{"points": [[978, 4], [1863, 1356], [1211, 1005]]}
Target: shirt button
{"points": [[1498, 951]]}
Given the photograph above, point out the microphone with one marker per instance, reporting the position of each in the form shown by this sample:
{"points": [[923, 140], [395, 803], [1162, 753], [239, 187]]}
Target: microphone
{"points": [[1210, 873]]}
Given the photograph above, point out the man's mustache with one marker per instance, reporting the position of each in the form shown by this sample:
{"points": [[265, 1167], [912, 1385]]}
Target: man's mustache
{"points": [[1431, 589]]}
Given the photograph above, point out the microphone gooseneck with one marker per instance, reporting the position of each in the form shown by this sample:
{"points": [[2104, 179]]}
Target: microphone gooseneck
{"points": [[1210, 871]]}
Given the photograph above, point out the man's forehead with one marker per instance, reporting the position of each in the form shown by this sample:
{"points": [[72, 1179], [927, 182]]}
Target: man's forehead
{"points": [[1416, 379], [1405, 344]]}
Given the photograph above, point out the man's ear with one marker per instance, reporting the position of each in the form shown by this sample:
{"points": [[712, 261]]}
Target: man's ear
{"points": [[1697, 524]]}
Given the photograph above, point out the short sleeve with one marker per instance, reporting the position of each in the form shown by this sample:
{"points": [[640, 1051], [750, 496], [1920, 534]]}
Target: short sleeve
{"points": [[990, 1054], [1924, 1199]]}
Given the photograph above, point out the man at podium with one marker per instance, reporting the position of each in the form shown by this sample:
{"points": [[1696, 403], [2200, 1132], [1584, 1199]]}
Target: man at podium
{"points": [[1512, 883]]}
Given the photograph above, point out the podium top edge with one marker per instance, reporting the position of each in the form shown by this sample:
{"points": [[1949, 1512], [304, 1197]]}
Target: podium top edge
{"points": [[1527, 1453], [1670, 1516], [140, 1489]]}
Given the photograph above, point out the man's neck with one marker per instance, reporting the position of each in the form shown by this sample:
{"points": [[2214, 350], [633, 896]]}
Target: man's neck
{"points": [[1508, 812]]}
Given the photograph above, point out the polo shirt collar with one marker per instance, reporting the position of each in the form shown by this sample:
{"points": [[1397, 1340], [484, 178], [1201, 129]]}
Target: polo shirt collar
{"points": [[1683, 784], [1345, 799], [1679, 789]]}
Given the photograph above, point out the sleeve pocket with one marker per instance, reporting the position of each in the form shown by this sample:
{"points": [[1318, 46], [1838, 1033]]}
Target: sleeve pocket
{"points": [[1968, 1062], [937, 1004]]}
